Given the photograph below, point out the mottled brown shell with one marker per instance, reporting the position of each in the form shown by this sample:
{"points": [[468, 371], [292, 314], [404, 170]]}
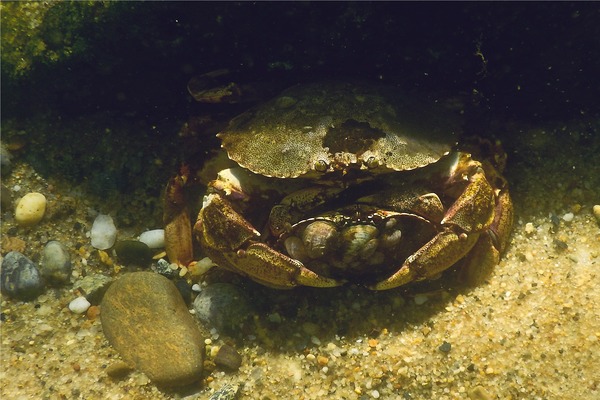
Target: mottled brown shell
{"points": [[332, 126]]}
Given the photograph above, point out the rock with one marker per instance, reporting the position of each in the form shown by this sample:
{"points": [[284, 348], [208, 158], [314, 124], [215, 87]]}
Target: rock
{"points": [[596, 212], [147, 322], [20, 278], [104, 232], [93, 287], [227, 392], [223, 306], [155, 239], [228, 358], [133, 252], [30, 209], [118, 370], [55, 265], [79, 305], [5, 198]]}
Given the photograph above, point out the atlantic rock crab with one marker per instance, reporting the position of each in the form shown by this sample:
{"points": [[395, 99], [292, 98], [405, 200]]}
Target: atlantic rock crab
{"points": [[339, 182]]}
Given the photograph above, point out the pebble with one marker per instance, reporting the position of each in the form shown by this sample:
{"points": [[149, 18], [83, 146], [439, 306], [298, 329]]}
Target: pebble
{"points": [[147, 322], [133, 252], [227, 392], [529, 228], [93, 287], [421, 299], [223, 306], [55, 264], [118, 370], [568, 217], [155, 239], [104, 232], [30, 209], [20, 278], [79, 305], [596, 211], [228, 358]]}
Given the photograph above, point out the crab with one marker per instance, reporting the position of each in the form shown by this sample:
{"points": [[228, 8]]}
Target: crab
{"points": [[338, 182]]}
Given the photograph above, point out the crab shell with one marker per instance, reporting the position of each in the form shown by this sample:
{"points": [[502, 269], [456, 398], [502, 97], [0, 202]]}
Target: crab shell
{"points": [[338, 135], [331, 126]]}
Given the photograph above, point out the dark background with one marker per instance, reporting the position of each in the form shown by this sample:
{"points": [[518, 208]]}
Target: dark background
{"points": [[528, 62]]}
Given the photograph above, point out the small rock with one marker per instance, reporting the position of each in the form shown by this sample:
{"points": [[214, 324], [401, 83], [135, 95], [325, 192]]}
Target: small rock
{"points": [[163, 267], [104, 232], [30, 209], [147, 322], [155, 239], [529, 228], [5, 198], [227, 392], [20, 278], [133, 252], [118, 370], [421, 299], [79, 305], [445, 347], [55, 265], [228, 358], [223, 306], [93, 287], [568, 217], [596, 211]]}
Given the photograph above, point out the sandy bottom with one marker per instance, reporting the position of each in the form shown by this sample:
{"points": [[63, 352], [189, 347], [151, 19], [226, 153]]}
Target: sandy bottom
{"points": [[532, 331]]}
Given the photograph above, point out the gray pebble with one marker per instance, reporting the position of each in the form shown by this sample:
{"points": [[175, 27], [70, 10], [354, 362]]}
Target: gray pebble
{"points": [[20, 278], [223, 306], [93, 287], [227, 392], [55, 265]]}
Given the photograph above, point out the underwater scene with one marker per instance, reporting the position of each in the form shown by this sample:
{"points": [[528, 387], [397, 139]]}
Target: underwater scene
{"points": [[302, 200]]}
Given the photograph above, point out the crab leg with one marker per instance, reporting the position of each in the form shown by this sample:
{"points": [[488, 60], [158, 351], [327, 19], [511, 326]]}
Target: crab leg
{"points": [[445, 249], [232, 243], [471, 213]]}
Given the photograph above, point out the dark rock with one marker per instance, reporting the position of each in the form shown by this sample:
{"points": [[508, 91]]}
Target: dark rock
{"points": [[20, 278], [118, 370], [55, 265], [228, 358], [223, 306], [133, 252], [146, 321]]}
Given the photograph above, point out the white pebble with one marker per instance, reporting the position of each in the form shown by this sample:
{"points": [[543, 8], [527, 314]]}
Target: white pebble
{"points": [[155, 239], [568, 217], [529, 228], [104, 232], [375, 394], [79, 305], [196, 288], [596, 211], [30, 209], [420, 299]]}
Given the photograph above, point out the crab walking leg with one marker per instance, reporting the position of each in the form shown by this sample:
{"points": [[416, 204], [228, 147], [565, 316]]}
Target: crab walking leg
{"points": [[437, 255], [232, 243], [178, 227]]}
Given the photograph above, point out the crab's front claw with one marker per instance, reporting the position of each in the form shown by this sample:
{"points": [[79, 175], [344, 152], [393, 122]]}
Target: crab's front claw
{"points": [[437, 255], [233, 243]]}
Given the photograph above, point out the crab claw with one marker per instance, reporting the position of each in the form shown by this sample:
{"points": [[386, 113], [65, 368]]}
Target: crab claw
{"points": [[232, 243], [445, 249]]}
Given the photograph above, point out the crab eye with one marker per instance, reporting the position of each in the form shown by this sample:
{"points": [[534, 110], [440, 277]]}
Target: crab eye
{"points": [[372, 162], [321, 166]]}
